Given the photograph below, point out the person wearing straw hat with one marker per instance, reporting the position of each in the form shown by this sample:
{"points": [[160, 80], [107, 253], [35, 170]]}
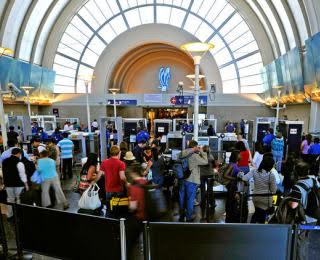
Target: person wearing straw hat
{"points": [[129, 160]]}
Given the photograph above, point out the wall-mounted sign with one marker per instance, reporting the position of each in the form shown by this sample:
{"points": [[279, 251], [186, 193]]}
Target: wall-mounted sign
{"points": [[123, 102], [152, 98], [189, 100], [164, 77], [293, 131]]}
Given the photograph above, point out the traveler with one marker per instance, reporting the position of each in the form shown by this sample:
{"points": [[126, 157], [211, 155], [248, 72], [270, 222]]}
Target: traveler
{"points": [[289, 174], [7, 153], [304, 148], [147, 154], [142, 135], [129, 160], [264, 183], [268, 139], [245, 141], [56, 135], [14, 177], [315, 147], [277, 146], [123, 149], [34, 128], [42, 134], [37, 146], [66, 153], [12, 134], [258, 155], [245, 157], [206, 172], [138, 150], [115, 179], [300, 191], [189, 186], [242, 128], [89, 172], [155, 167], [94, 125], [211, 131], [47, 169], [230, 128], [230, 175]]}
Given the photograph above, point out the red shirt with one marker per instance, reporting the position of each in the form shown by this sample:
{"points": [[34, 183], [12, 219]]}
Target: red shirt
{"points": [[244, 158], [111, 168], [136, 193]]}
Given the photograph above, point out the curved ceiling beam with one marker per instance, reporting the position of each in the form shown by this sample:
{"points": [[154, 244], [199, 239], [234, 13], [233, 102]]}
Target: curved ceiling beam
{"points": [[23, 27], [42, 24], [4, 18]]}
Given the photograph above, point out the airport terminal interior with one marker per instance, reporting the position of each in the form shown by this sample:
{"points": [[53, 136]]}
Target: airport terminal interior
{"points": [[160, 129]]}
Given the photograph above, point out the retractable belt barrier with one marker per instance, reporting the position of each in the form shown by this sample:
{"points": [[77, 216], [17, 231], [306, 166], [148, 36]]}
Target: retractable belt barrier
{"points": [[68, 235]]}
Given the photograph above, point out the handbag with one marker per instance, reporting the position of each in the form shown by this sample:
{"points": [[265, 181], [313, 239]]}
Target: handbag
{"points": [[37, 177], [90, 198]]}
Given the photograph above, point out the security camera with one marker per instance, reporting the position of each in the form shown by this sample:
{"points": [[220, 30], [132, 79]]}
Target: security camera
{"points": [[14, 89], [213, 88]]}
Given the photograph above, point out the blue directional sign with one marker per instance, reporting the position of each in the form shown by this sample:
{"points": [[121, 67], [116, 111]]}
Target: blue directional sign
{"points": [[189, 100], [123, 102]]}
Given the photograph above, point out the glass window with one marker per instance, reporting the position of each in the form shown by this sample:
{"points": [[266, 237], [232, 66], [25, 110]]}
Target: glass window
{"points": [[81, 26], [118, 24], [62, 89], [90, 57], [133, 18], [113, 6], [65, 71], [177, 17], [205, 7], [223, 57], [63, 80], [250, 60], [218, 44], [86, 15], [69, 41], [31, 29], [65, 61], [62, 48], [192, 23], [216, 10], [251, 80], [236, 32], [301, 23], [204, 32], [228, 73], [97, 45], [274, 24], [225, 13], [163, 14], [105, 9], [230, 86], [241, 41], [233, 22], [185, 3], [39, 48], [196, 6], [250, 70], [107, 33], [147, 16], [252, 46]]}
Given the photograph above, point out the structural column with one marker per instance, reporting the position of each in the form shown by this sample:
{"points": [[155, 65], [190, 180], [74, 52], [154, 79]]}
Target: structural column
{"points": [[314, 117]]}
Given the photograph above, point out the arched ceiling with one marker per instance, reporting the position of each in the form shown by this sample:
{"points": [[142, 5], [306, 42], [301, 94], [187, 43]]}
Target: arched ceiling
{"points": [[87, 27]]}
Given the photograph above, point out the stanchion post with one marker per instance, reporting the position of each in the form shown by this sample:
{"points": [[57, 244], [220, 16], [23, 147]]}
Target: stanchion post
{"points": [[17, 231], [123, 239], [146, 241], [3, 237]]}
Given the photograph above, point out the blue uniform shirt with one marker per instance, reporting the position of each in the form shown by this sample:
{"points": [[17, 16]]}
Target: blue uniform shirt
{"points": [[314, 149]]}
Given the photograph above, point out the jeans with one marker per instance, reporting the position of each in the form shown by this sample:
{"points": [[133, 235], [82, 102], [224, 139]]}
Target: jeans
{"points": [[244, 169], [45, 196], [13, 195], [158, 180], [67, 167], [187, 194], [278, 161]]}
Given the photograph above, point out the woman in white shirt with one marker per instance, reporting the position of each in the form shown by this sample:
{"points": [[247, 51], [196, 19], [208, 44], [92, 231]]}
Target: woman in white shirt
{"points": [[258, 155]]}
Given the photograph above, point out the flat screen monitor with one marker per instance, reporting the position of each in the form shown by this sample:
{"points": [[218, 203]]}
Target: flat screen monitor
{"points": [[175, 143], [228, 146]]}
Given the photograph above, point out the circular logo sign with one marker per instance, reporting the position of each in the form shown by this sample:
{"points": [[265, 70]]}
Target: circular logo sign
{"points": [[173, 100]]}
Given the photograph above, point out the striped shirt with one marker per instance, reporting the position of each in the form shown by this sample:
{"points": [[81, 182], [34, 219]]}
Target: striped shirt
{"points": [[264, 182], [66, 148]]}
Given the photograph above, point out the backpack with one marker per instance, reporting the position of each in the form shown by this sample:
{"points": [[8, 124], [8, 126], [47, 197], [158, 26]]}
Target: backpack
{"points": [[52, 152], [181, 168], [313, 200], [284, 214]]}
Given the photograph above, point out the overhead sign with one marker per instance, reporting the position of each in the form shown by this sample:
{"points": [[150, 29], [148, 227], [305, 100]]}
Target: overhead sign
{"points": [[123, 102], [189, 100], [152, 98]]}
